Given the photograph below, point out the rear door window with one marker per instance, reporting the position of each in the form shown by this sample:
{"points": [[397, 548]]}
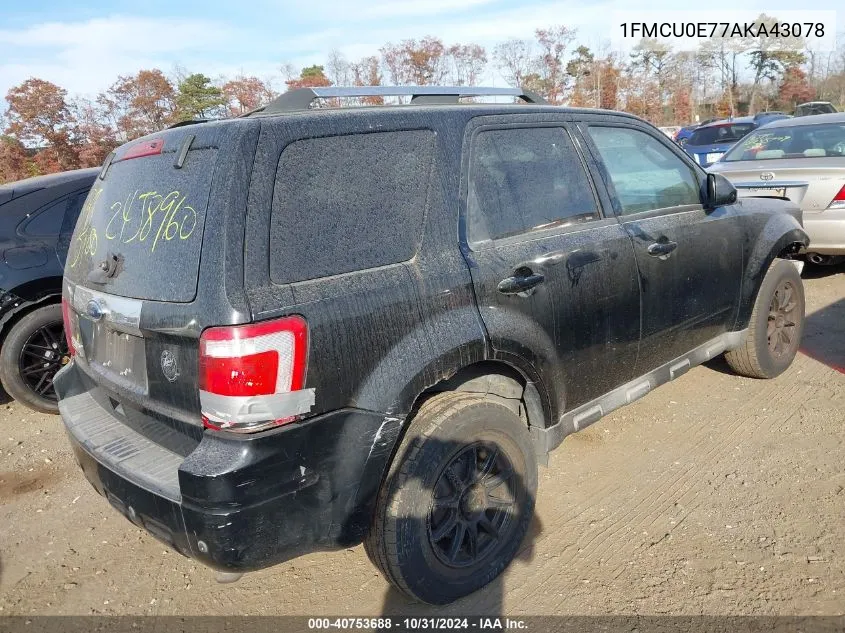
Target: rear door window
{"points": [[347, 203], [524, 179], [150, 216]]}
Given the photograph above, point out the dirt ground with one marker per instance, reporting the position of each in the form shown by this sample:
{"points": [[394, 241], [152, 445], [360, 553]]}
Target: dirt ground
{"points": [[714, 494]]}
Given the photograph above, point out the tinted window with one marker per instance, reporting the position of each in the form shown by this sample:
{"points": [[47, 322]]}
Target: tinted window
{"points": [[718, 134], [72, 211], [525, 179], [814, 108], [48, 221], [150, 216], [645, 173], [346, 203], [796, 141]]}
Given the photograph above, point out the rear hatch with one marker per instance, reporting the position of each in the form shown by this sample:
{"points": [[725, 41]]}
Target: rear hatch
{"points": [[137, 250]]}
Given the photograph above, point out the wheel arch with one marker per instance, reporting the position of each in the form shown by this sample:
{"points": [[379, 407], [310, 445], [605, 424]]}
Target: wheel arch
{"points": [[500, 380], [24, 298], [782, 237]]}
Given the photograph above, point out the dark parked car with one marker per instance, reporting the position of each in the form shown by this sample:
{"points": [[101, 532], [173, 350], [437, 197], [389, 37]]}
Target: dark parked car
{"points": [[815, 107], [762, 118], [709, 142], [682, 136], [308, 327], [37, 216]]}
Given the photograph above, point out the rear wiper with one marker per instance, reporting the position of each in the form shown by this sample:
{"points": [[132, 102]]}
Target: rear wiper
{"points": [[107, 269]]}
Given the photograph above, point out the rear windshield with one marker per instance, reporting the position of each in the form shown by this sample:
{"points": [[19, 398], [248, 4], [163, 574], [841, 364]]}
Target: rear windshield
{"points": [[718, 134], [798, 141], [147, 217]]}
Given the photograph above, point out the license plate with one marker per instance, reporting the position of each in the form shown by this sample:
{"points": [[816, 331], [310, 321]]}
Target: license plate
{"points": [[712, 158], [116, 355], [768, 192]]}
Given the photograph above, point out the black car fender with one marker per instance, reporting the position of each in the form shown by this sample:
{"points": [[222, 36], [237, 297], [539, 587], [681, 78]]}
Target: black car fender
{"points": [[782, 234], [458, 358], [12, 306]]}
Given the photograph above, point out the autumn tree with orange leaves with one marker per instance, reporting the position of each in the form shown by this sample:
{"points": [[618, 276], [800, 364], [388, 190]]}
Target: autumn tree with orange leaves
{"points": [[243, 94], [416, 62], [139, 104], [794, 88], [39, 115], [15, 163]]}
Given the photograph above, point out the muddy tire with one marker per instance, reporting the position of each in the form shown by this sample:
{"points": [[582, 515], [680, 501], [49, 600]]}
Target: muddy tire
{"points": [[776, 325], [457, 501]]}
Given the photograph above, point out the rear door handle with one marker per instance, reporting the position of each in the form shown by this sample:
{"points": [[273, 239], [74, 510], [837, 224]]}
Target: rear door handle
{"points": [[661, 249], [519, 283]]}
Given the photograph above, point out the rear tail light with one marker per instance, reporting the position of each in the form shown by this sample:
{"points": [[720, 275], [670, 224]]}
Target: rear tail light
{"points": [[66, 318], [251, 376], [838, 201]]}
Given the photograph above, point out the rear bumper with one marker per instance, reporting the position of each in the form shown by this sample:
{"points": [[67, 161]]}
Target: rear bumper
{"points": [[827, 232], [236, 503]]}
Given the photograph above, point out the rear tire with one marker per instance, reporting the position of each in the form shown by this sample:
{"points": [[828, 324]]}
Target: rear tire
{"points": [[458, 500], [776, 325], [34, 350]]}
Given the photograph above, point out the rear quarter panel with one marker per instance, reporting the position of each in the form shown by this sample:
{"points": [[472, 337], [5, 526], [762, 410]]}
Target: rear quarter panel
{"points": [[377, 337]]}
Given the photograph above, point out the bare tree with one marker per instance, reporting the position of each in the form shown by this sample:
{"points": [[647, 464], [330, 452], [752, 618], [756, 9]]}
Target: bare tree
{"points": [[516, 61], [468, 62], [338, 69]]}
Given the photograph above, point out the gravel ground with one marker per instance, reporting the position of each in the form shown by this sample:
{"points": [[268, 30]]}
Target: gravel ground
{"points": [[714, 494]]}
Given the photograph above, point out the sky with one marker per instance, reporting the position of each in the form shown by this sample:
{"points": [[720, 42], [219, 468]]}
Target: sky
{"points": [[83, 46]]}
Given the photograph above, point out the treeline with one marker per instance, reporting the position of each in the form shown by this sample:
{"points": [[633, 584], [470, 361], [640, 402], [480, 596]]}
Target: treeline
{"points": [[46, 130]]}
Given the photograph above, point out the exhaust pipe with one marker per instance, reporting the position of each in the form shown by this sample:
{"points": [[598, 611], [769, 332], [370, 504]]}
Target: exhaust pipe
{"points": [[818, 260]]}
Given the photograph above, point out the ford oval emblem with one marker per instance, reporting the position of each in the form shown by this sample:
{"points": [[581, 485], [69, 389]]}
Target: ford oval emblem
{"points": [[767, 175], [169, 366], [94, 310]]}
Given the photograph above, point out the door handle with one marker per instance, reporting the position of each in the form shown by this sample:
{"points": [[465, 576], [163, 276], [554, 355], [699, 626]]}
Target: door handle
{"points": [[661, 249], [519, 283]]}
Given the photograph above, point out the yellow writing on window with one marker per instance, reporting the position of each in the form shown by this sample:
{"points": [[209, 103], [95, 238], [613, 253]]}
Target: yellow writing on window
{"points": [[147, 218]]}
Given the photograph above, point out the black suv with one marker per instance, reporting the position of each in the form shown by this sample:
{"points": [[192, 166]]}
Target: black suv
{"points": [[37, 216], [310, 327]]}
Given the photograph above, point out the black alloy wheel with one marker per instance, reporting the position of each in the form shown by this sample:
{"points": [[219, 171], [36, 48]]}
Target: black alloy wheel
{"points": [[43, 354], [472, 506]]}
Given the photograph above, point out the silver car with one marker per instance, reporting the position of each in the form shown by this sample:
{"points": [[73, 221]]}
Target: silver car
{"points": [[802, 159]]}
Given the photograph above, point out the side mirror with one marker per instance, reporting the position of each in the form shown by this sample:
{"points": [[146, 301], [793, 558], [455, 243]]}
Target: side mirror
{"points": [[720, 191]]}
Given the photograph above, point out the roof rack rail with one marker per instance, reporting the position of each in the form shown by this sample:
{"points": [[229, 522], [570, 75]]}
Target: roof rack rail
{"points": [[302, 98]]}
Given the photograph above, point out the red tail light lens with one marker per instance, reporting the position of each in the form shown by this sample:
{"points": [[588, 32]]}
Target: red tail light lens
{"points": [[838, 201], [68, 327], [246, 374]]}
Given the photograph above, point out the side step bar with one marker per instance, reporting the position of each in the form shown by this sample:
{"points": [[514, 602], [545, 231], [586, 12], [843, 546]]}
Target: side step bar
{"points": [[546, 440]]}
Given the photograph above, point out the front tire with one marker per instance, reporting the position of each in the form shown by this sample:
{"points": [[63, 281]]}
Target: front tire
{"points": [[34, 350], [776, 325], [458, 500]]}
